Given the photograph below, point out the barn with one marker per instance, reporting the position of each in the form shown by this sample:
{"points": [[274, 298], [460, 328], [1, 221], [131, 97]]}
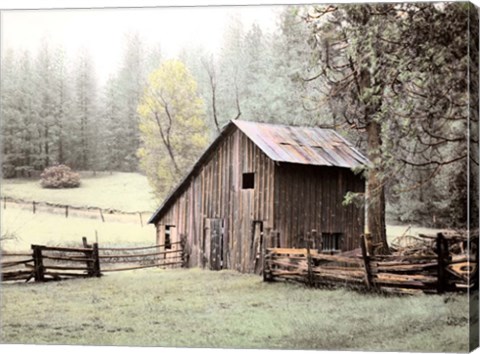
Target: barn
{"points": [[257, 180]]}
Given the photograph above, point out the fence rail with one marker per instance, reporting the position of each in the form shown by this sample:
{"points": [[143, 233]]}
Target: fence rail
{"points": [[406, 274], [55, 263]]}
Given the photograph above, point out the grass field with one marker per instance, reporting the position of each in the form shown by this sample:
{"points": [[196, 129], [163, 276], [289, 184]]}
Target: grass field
{"points": [[121, 191], [195, 308], [128, 192], [44, 228]]}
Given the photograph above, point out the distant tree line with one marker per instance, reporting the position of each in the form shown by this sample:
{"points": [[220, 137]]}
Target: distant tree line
{"points": [[392, 78]]}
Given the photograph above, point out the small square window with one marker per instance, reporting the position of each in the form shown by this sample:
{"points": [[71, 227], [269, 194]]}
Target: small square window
{"points": [[331, 242], [248, 181]]}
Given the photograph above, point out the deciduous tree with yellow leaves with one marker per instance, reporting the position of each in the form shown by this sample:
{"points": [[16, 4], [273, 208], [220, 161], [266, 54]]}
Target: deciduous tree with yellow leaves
{"points": [[172, 126]]}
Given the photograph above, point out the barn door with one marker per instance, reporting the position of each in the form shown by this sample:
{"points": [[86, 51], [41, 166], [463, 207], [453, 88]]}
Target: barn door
{"points": [[213, 244], [256, 255]]}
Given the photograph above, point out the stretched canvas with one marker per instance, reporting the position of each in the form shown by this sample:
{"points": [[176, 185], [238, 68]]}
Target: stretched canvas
{"points": [[253, 176]]}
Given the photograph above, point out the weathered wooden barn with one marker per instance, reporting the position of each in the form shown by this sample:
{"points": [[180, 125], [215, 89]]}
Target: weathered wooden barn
{"points": [[260, 179]]}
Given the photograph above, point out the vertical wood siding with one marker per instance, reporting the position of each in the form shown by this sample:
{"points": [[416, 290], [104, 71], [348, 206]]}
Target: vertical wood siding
{"points": [[215, 192], [310, 198]]}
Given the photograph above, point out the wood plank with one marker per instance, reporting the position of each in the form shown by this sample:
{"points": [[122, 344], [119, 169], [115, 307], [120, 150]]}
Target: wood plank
{"points": [[67, 268], [68, 259], [62, 249], [134, 248], [26, 254], [142, 267], [399, 278], [406, 267], [290, 251], [12, 264]]}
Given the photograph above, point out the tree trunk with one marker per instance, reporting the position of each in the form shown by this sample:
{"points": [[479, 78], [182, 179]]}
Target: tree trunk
{"points": [[376, 190]]}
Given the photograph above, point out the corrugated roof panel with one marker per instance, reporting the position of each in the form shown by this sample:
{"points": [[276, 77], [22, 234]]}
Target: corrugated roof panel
{"points": [[303, 145]]}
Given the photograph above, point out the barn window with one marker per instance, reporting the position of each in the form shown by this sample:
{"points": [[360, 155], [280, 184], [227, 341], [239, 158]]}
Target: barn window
{"points": [[248, 180], [331, 242], [168, 237]]}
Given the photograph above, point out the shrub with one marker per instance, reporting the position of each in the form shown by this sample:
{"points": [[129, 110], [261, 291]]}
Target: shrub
{"points": [[60, 176]]}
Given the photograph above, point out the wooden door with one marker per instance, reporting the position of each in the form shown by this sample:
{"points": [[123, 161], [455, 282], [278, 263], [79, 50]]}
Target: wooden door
{"points": [[213, 244]]}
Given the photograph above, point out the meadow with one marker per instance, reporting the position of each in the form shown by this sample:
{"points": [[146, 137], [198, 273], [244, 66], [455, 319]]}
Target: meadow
{"points": [[197, 308], [124, 192], [128, 192], [44, 228]]}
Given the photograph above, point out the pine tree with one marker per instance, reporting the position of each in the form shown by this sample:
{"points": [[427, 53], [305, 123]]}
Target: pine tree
{"points": [[130, 84], [85, 114]]}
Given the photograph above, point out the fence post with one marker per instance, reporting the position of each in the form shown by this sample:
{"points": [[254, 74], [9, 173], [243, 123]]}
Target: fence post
{"points": [[474, 276], [33, 204], [101, 214], [368, 243], [268, 242], [39, 272], [96, 261], [309, 262], [66, 211], [141, 219], [366, 263], [182, 253], [4, 202], [442, 256], [89, 257]]}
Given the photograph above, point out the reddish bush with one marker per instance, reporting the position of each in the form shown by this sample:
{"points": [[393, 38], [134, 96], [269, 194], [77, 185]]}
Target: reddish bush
{"points": [[60, 176]]}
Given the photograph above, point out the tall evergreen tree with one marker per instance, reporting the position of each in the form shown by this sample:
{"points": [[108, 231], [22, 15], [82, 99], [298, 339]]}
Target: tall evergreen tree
{"points": [[130, 84], [86, 114]]}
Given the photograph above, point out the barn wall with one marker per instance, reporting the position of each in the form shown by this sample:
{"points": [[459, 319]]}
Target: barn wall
{"points": [[310, 197], [215, 192]]}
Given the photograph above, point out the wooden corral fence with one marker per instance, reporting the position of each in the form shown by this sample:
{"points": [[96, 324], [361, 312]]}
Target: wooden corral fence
{"points": [[51, 263], [120, 259], [55, 263], [396, 273]]}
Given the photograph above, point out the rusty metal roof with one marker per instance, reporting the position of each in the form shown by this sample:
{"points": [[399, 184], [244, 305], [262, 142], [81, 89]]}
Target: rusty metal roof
{"points": [[302, 145]]}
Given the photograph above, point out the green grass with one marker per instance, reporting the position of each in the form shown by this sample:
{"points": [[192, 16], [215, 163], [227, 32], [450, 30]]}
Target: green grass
{"points": [[44, 228], [195, 308], [121, 191]]}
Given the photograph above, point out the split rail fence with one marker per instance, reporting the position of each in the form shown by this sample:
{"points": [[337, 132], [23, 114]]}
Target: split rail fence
{"points": [[405, 274], [46, 263]]}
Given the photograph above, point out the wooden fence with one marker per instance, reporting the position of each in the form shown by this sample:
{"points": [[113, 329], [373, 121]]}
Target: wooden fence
{"points": [[55, 263], [406, 274], [120, 259], [17, 266], [105, 215]]}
